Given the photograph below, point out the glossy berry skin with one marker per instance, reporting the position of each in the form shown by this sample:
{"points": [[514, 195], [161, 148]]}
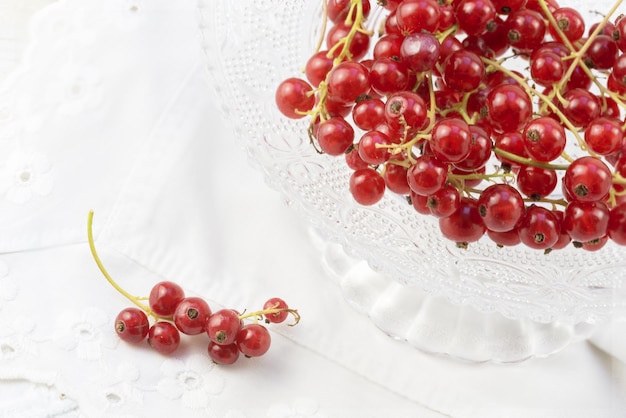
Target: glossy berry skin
{"points": [[294, 96], [223, 354], [525, 29], [587, 179], [616, 227], [277, 317], [253, 340], [367, 186], [223, 326], [131, 325], [570, 22], [427, 175], [539, 228], [420, 51], [451, 140], [191, 315], [347, 81], [317, 67], [536, 182], [509, 108], [417, 16], [389, 75], [586, 221], [544, 139], [406, 110], [501, 206], [604, 135], [465, 225], [164, 297], [444, 202], [395, 178], [475, 16], [164, 337], [463, 71], [372, 147], [335, 135]]}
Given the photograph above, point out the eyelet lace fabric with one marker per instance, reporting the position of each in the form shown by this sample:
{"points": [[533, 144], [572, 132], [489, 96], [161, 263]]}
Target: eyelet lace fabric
{"points": [[109, 109]]}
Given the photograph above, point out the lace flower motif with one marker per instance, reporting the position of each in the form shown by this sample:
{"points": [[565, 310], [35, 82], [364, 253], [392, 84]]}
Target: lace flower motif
{"points": [[299, 408], [86, 333], [77, 88], [15, 339], [116, 390], [193, 381], [25, 175]]}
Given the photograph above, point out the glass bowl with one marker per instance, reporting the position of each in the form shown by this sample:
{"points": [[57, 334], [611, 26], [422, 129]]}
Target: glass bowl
{"points": [[482, 303]]}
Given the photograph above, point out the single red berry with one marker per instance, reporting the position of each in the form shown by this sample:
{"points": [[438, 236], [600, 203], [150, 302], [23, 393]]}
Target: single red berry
{"points": [[417, 16], [395, 178], [570, 23], [536, 182], [335, 136], [604, 135], [131, 325], [317, 67], [276, 317], [223, 354], [444, 202], [539, 228], [164, 337], [294, 97], [451, 140], [427, 175], [191, 315], [509, 107], [544, 138], [164, 297], [420, 51], [501, 206], [253, 340], [368, 113], [505, 238], [465, 225], [372, 147], [223, 326], [463, 71], [475, 16], [358, 47], [367, 186], [587, 179], [586, 221], [616, 227]]}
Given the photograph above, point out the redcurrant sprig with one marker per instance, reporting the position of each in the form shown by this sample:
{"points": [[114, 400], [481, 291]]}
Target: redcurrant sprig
{"points": [[172, 313]]}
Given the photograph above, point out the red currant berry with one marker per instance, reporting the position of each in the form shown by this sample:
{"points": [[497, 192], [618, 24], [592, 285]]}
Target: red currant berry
{"points": [[131, 325], [294, 97], [317, 67], [444, 202], [373, 147], [463, 71], [586, 221], [602, 53], [427, 175], [164, 297], [223, 354], [544, 138], [480, 150], [354, 160], [587, 179], [253, 340], [475, 16], [347, 81], [223, 326], [395, 178], [389, 75], [358, 47], [368, 113], [367, 186], [164, 337], [276, 317], [509, 108], [526, 29], [536, 182], [337, 10], [451, 140], [506, 238], [191, 315], [501, 206], [418, 16], [546, 68], [335, 136], [581, 106], [604, 135], [570, 24], [406, 110], [616, 227], [539, 228], [420, 51], [465, 225]]}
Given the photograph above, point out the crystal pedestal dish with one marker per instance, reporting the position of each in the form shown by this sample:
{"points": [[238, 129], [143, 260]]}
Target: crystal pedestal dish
{"points": [[482, 303]]}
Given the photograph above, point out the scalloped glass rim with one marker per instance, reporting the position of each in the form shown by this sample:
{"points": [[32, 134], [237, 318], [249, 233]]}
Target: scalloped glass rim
{"points": [[244, 67]]}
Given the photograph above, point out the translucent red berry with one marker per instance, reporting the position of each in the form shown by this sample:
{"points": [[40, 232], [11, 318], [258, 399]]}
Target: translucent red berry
{"points": [[131, 325], [253, 340], [164, 297]]}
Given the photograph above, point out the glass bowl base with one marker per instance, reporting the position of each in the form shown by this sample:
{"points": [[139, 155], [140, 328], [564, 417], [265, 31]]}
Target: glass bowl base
{"points": [[437, 326]]}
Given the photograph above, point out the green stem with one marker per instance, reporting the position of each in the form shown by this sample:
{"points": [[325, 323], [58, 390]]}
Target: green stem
{"points": [[105, 273]]}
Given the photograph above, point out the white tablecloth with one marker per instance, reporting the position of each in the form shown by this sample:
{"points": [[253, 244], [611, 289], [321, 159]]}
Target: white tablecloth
{"points": [[106, 107]]}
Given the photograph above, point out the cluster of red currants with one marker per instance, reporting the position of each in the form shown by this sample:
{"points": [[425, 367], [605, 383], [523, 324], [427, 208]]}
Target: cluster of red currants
{"points": [[228, 332], [502, 118]]}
